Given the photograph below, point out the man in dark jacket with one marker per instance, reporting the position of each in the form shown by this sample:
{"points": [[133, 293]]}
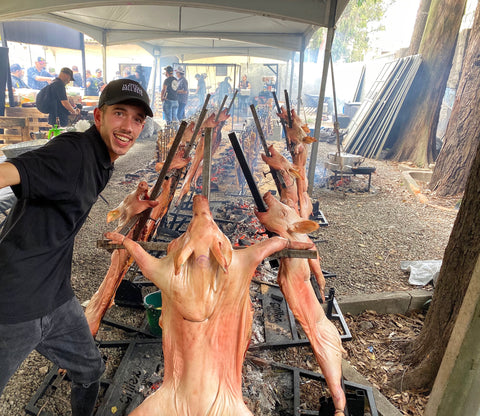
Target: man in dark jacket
{"points": [[56, 186]]}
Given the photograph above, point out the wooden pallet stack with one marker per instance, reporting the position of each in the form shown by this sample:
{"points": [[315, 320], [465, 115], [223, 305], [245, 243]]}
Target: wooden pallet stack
{"points": [[19, 123]]}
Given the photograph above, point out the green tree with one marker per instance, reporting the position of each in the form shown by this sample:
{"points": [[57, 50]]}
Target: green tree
{"points": [[358, 21]]}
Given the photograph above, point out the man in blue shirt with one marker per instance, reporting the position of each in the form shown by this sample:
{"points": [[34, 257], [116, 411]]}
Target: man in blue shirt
{"points": [[16, 72], [37, 76]]}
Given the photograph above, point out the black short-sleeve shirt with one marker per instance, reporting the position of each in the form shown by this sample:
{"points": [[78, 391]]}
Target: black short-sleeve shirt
{"points": [[172, 85], [59, 184], [59, 94]]}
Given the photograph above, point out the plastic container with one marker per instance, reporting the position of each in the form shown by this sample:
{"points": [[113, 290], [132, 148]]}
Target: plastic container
{"points": [[153, 306]]}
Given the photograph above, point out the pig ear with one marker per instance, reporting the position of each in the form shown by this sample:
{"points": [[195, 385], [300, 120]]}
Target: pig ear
{"points": [[309, 139], [182, 256], [303, 227], [294, 172], [224, 258], [113, 215]]}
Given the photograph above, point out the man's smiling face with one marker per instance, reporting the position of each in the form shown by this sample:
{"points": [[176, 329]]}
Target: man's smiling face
{"points": [[119, 125]]}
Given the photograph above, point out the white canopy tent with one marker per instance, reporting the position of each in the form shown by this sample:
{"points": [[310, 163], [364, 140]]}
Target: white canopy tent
{"points": [[188, 28]]}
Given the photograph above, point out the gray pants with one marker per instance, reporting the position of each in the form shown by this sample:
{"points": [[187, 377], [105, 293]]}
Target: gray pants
{"points": [[63, 337]]}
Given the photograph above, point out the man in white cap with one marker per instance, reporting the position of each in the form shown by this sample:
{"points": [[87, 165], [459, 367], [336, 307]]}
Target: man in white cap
{"points": [[56, 186], [182, 92]]}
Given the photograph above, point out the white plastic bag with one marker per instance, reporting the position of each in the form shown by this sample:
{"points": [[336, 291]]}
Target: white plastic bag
{"points": [[422, 272]]}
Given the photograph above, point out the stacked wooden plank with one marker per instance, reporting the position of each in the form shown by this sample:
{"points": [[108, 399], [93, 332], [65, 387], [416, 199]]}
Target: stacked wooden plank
{"points": [[369, 130], [35, 120], [14, 130]]}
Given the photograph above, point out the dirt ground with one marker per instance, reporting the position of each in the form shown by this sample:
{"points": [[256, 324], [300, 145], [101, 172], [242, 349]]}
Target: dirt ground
{"points": [[367, 235]]}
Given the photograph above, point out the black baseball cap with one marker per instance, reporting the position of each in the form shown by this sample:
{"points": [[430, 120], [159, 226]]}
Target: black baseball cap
{"points": [[122, 90], [67, 71]]}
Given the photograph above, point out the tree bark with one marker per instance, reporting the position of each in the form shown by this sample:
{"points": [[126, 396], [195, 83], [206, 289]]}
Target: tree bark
{"points": [[463, 130], [420, 22], [415, 141], [461, 255]]}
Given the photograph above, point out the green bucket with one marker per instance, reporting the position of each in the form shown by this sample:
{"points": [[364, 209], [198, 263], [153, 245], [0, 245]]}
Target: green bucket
{"points": [[153, 306]]}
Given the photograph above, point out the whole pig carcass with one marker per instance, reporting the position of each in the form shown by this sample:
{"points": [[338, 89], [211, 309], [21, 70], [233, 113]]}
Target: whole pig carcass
{"points": [[294, 282], [288, 172], [120, 262], [195, 167], [206, 317], [298, 139], [179, 161]]}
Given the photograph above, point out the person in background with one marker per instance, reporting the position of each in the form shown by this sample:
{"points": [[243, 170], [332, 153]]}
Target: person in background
{"points": [[37, 76], [139, 76], [98, 75], [62, 107], [182, 92], [91, 88], [244, 95], [224, 88], [99, 82], [127, 73], [169, 96], [16, 73], [56, 187], [201, 89], [77, 77]]}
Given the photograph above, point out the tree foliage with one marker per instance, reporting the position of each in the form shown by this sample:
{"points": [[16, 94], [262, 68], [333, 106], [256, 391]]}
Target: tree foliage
{"points": [[359, 20]]}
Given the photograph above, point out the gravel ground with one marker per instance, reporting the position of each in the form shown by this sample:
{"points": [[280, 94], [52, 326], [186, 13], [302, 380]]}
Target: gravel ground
{"points": [[367, 236]]}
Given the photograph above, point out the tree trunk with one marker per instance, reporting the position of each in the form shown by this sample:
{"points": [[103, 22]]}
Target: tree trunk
{"points": [[463, 130], [420, 22], [415, 140], [461, 255]]}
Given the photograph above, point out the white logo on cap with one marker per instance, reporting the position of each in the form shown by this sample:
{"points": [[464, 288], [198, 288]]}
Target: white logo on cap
{"points": [[132, 87]]}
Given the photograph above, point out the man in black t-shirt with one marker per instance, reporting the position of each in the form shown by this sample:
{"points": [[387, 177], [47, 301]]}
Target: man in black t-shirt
{"points": [[56, 186], [61, 107], [169, 96]]}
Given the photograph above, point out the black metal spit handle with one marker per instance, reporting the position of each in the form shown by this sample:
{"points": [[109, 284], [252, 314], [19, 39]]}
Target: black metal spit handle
{"points": [[145, 215], [284, 126], [279, 182], [247, 173], [251, 184], [287, 102]]}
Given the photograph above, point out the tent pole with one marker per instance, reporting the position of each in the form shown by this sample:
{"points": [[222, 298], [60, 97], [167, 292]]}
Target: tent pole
{"points": [[155, 75], [318, 121], [300, 75], [84, 63], [104, 55], [292, 69]]}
